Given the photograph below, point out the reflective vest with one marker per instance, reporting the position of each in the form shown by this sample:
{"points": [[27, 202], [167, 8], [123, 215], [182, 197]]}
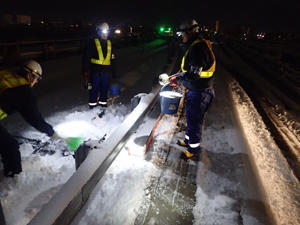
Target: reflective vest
{"points": [[204, 74], [10, 80], [101, 60]]}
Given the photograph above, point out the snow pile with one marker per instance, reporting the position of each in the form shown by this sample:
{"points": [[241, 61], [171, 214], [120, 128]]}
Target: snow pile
{"points": [[214, 206], [23, 196], [87, 124], [42, 176], [281, 186], [214, 210], [118, 195]]}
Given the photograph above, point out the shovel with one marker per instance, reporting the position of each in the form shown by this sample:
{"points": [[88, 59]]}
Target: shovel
{"points": [[74, 142]]}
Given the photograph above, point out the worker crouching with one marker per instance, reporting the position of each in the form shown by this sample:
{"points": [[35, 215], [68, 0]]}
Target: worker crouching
{"points": [[16, 96]]}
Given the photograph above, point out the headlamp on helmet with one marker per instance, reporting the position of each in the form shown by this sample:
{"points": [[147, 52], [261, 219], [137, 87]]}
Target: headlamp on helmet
{"points": [[104, 31], [103, 28], [188, 26]]}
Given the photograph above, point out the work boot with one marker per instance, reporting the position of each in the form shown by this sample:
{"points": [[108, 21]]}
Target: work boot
{"points": [[92, 106], [182, 143], [186, 155]]}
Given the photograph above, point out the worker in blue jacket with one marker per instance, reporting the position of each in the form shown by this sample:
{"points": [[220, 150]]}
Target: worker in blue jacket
{"points": [[16, 96], [197, 74], [98, 66]]}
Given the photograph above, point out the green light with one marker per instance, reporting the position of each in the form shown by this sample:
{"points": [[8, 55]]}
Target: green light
{"points": [[169, 29], [161, 29]]}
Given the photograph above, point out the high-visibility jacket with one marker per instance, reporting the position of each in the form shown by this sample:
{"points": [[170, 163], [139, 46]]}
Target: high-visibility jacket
{"points": [[10, 80], [204, 74], [101, 60]]}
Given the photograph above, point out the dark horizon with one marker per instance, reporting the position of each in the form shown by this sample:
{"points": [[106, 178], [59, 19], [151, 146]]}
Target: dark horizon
{"points": [[260, 15]]}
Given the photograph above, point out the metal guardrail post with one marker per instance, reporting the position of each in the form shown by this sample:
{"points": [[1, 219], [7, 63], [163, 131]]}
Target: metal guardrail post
{"points": [[11, 50]]}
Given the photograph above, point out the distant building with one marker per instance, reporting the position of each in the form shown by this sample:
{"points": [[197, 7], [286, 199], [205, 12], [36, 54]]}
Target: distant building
{"points": [[23, 19], [12, 19], [6, 19]]}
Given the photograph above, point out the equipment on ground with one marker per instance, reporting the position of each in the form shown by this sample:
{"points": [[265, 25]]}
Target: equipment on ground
{"points": [[114, 90], [66, 145]]}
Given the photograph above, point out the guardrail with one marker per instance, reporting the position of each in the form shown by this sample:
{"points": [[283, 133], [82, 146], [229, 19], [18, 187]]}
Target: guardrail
{"points": [[33, 49], [62, 208]]}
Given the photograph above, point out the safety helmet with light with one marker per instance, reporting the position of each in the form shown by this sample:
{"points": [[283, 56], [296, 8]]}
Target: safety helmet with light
{"points": [[190, 25], [34, 68], [103, 28]]}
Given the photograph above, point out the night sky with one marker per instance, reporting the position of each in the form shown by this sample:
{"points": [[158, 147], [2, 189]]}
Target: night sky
{"points": [[264, 15]]}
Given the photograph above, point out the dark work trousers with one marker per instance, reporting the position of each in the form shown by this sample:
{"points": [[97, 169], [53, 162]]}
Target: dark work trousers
{"points": [[197, 104], [9, 151], [100, 85]]}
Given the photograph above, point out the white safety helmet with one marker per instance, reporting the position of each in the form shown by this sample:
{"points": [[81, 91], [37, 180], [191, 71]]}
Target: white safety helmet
{"points": [[103, 27], [188, 26], [34, 68]]}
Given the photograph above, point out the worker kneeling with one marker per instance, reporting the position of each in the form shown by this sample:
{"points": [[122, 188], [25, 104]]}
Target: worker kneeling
{"points": [[16, 96]]}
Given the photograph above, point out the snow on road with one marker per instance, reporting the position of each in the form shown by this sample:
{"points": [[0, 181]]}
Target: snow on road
{"points": [[225, 191], [280, 183], [137, 190], [66, 109]]}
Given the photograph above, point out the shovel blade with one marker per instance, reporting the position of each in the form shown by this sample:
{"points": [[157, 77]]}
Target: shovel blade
{"points": [[74, 142]]}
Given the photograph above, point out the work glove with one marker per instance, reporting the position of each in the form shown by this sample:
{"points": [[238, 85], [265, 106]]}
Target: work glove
{"points": [[173, 81], [56, 137], [163, 79], [180, 76], [87, 85]]}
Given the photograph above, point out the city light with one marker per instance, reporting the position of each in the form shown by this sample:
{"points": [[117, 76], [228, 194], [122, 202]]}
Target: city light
{"points": [[260, 35], [117, 31]]}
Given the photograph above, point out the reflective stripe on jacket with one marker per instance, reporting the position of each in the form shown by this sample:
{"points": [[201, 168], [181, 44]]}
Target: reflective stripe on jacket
{"points": [[204, 74], [101, 60], [10, 80], [2, 114]]}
